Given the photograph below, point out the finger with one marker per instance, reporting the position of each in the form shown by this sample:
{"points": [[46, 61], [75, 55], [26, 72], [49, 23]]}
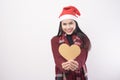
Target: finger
{"points": [[65, 65], [72, 68], [67, 68], [74, 62]]}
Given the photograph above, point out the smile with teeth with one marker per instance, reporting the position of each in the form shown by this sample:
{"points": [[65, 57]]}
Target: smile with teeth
{"points": [[69, 30]]}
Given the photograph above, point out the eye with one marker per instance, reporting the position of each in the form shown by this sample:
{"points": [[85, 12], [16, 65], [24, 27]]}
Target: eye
{"points": [[71, 23], [64, 23]]}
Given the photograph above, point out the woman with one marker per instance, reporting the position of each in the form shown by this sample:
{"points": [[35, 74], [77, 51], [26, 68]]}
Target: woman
{"points": [[70, 33]]}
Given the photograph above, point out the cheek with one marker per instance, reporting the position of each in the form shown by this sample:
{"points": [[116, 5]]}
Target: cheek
{"points": [[63, 28], [73, 27]]}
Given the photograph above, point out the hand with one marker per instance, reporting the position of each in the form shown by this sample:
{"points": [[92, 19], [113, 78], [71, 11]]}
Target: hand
{"points": [[70, 65], [66, 65], [73, 65]]}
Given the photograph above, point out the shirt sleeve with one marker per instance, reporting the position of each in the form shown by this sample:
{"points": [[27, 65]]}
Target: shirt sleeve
{"points": [[58, 59], [81, 59]]}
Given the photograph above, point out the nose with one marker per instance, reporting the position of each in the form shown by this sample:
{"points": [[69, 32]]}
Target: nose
{"points": [[68, 26]]}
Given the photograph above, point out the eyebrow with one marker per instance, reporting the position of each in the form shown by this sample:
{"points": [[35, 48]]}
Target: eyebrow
{"points": [[68, 22]]}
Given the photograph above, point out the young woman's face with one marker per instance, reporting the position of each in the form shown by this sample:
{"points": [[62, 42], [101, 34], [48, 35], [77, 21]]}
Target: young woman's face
{"points": [[68, 26]]}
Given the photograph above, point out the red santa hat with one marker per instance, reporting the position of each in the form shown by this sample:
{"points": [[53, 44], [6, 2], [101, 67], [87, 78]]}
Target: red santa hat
{"points": [[69, 12]]}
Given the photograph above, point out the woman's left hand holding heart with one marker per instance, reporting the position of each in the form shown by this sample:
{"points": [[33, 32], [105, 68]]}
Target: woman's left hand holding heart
{"points": [[73, 65]]}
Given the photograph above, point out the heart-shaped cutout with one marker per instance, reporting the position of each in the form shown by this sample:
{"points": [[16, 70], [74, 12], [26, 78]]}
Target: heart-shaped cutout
{"points": [[69, 52]]}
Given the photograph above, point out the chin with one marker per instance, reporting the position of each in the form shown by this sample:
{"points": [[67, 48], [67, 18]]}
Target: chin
{"points": [[69, 33]]}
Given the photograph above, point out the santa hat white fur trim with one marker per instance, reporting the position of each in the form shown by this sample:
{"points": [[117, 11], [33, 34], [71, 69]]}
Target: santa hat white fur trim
{"points": [[67, 16]]}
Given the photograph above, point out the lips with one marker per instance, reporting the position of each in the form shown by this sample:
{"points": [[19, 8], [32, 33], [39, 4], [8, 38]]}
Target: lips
{"points": [[69, 30]]}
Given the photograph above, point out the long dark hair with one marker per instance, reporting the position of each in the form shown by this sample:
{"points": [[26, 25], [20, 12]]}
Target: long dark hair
{"points": [[79, 33]]}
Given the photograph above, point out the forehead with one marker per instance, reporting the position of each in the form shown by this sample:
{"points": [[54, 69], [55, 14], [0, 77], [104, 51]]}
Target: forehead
{"points": [[67, 20]]}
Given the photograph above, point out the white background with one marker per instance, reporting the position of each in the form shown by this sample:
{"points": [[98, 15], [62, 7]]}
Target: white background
{"points": [[27, 26]]}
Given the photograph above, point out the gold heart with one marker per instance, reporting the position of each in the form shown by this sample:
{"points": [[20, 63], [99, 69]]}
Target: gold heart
{"points": [[69, 52]]}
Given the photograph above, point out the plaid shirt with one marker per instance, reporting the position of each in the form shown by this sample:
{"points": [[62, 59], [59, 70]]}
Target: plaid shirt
{"points": [[76, 75], [61, 74]]}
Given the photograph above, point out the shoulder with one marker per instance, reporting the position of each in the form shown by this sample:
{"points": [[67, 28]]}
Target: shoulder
{"points": [[88, 43], [55, 39]]}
